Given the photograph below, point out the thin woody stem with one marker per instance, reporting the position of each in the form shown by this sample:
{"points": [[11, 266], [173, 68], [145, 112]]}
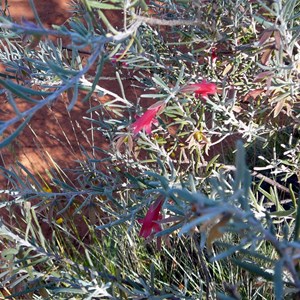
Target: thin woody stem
{"points": [[162, 22]]}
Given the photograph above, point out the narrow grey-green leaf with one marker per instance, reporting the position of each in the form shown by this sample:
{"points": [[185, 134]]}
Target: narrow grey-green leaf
{"points": [[297, 225], [102, 5], [69, 290], [160, 82], [29, 175], [254, 269], [74, 97], [60, 70], [15, 89], [278, 282], [192, 224], [19, 280], [27, 90], [96, 79], [169, 230], [13, 103], [11, 137]]}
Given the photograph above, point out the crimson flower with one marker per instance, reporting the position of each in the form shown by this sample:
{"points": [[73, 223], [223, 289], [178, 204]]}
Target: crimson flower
{"points": [[150, 223], [202, 89], [145, 121], [214, 55]]}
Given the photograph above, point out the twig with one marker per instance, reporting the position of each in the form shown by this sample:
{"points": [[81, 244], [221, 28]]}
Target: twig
{"points": [[260, 176], [162, 22]]}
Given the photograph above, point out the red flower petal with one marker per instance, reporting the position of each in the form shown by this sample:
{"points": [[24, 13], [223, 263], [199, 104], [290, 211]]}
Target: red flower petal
{"points": [[145, 121], [202, 89], [214, 55], [150, 223]]}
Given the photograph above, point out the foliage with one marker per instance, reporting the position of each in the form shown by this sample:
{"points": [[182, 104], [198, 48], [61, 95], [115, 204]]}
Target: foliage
{"points": [[206, 74]]}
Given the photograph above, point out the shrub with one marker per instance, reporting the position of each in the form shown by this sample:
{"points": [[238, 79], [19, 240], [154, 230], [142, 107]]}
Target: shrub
{"points": [[206, 74]]}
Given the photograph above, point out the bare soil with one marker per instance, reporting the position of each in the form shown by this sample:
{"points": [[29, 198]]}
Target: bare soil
{"points": [[54, 135]]}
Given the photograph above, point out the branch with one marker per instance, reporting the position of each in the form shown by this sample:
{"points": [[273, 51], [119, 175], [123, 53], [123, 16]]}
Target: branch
{"points": [[162, 22]]}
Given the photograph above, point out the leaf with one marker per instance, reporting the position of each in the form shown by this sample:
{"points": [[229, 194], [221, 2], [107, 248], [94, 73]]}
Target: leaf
{"points": [[168, 231], [11, 137], [19, 280], [154, 96], [197, 221], [95, 79], [283, 213], [297, 225], [263, 75], [289, 9], [227, 69], [240, 162], [29, 175], [60, 71], [267, 52], [253, 269], [69, 291], [20, 91], [13, 103], [267, 8], [160, 82], [230, 251], [157, 104], [277, 37], [72, 96], [263, 21], [102, 5], [265, 36], [278, 282], [278, 107]]}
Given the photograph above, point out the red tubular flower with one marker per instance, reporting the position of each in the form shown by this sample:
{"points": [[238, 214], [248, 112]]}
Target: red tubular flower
{"points": [[150, 223], [202, 89], [214, 55], [145, 121]]}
